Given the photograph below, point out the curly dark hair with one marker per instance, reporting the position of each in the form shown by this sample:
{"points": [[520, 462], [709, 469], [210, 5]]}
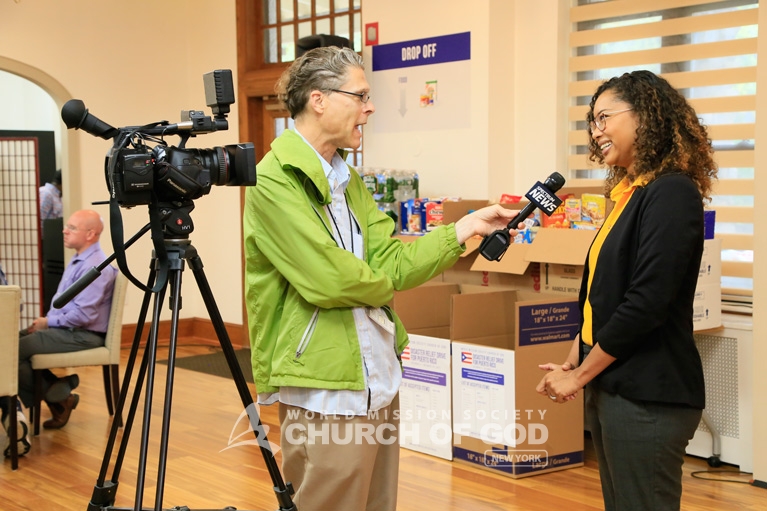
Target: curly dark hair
{"points": [[670, 136]]}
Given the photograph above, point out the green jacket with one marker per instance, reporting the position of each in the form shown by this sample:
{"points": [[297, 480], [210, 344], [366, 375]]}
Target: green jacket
{"points": [[300, 286]]}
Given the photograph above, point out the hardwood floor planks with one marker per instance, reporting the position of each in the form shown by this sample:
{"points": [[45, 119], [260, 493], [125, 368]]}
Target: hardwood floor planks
{"points": [[61, 470]]}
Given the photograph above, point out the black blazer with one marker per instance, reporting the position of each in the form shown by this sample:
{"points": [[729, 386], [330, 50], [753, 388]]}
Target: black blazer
{"points": [[642, 295]]}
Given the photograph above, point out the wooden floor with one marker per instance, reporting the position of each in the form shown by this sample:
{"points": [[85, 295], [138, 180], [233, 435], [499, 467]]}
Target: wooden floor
{"points": [[63, 467]]}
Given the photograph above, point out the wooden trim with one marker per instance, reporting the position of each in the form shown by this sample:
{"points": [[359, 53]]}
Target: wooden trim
{"points": [[736, 241], [619, 8], [664, 28], [725, 159], [679, 53], [735, 214], [728, 159], [734, 187], [681, 80], [715, 132], [195, 330], [738, 269], [742, 103]]}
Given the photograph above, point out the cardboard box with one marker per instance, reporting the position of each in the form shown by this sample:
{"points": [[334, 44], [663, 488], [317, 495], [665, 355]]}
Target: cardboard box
{"points": [[711, 263], [425, 397], [499, 421], [454, 210], [560, 253], [513, 271], [425, 310], [707, 307]]}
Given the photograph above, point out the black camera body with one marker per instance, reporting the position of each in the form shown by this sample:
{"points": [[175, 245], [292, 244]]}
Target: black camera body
{"points": [[175, 173], [135, 172]]}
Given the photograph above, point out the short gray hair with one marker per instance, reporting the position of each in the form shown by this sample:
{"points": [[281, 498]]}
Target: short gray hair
{"points": [[322, 69]]}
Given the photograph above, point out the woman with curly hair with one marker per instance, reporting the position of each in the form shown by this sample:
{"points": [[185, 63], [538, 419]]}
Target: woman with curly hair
{"points": [[636, 354]]}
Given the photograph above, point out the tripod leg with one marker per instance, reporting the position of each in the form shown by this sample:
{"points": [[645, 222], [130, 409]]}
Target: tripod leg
{"points": [[151, 356], [104, 493], [283, 491], [175, 299]]}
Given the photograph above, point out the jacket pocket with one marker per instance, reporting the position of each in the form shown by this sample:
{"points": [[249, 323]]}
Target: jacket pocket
{"points": [[307, 336]]}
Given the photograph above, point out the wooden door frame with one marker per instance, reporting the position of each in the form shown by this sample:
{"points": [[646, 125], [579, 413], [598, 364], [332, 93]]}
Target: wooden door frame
{"points": [[255, 90]]}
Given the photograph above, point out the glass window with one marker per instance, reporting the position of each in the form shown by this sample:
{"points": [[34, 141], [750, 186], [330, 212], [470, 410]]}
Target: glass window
{"points": [[691, 47], [313, 17]]}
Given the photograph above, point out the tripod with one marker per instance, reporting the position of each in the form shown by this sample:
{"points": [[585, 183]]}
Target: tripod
{"points": [[178, 249]]}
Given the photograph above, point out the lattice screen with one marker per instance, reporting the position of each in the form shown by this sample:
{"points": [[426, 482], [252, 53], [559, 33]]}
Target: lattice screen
{"points": [[20, 229], [720, 368]]}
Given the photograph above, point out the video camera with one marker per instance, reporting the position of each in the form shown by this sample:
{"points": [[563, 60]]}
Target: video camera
{"points": [[174, 174]]}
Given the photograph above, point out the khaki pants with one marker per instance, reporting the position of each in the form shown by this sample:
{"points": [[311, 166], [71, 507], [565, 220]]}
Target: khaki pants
{"points": [[338, 462]]}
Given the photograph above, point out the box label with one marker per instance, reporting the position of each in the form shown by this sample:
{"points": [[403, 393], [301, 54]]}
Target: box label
{"points": [[424, 376], [425, 397], [549, 322], [517, 462], [483, 376]]}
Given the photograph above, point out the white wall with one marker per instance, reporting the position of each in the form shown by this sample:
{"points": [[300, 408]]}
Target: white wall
{"points": [[26, 106], [518, 108], [131, 63]]}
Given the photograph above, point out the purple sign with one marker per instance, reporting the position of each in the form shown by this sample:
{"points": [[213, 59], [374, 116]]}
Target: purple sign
{"points": [[483, 376], [548, 322], [422, 52]]}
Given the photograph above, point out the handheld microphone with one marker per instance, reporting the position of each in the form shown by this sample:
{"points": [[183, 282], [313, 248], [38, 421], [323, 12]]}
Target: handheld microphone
{"points": [[75, 115], [541, 196]]}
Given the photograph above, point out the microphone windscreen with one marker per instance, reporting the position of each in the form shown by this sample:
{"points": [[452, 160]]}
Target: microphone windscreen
{"points": [[73, 112]]}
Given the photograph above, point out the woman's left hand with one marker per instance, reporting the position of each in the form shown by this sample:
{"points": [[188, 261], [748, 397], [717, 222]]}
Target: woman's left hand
{"points": [[559, 384]]}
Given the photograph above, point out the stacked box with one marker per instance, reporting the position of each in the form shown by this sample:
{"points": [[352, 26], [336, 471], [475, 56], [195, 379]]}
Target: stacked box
{"points": [[707, 307], [498, 338]]}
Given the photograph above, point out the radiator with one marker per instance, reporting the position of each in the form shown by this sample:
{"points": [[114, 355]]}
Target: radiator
{"points": [[727, 367]]}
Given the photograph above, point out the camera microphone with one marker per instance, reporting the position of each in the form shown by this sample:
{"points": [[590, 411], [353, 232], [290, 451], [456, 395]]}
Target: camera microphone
{"points": [[75, 115], [542, 196]]}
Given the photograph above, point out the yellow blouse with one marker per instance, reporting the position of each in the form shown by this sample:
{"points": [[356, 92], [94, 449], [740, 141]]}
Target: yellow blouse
{"points": [[621, 195]]}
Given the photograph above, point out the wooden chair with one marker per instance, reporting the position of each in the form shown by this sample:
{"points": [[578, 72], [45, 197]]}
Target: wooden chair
{"points": [[107, 356], [10, 317]]}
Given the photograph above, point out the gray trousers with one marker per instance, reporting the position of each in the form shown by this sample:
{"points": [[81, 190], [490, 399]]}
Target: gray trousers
{"points": [[640, 448], [51, 340]]}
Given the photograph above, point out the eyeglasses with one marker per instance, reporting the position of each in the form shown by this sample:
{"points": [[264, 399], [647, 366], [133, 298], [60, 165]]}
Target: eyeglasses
{"points": [[600, 121], [73, 228], [363, 96]]}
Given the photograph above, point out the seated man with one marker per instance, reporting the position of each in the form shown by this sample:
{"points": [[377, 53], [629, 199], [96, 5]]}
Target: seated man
{"points": [[78, 325]]}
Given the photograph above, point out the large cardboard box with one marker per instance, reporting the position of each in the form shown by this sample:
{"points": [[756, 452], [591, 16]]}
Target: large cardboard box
{"points": [[426, 420], [517, 272], [560, 254], [499, 422], [707, 307], [498, 338]]}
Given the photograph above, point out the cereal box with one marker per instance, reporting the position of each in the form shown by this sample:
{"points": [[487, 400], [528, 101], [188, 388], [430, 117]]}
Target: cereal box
{"points": [[573, 210], [558, 218], [593, 208]]}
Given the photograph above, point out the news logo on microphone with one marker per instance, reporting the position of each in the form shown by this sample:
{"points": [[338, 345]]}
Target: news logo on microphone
{"points": [[545, 200], [541, 196]]}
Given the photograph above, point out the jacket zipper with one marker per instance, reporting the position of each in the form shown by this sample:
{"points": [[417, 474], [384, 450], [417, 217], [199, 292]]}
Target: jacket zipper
{"points": [[307, 333]]}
